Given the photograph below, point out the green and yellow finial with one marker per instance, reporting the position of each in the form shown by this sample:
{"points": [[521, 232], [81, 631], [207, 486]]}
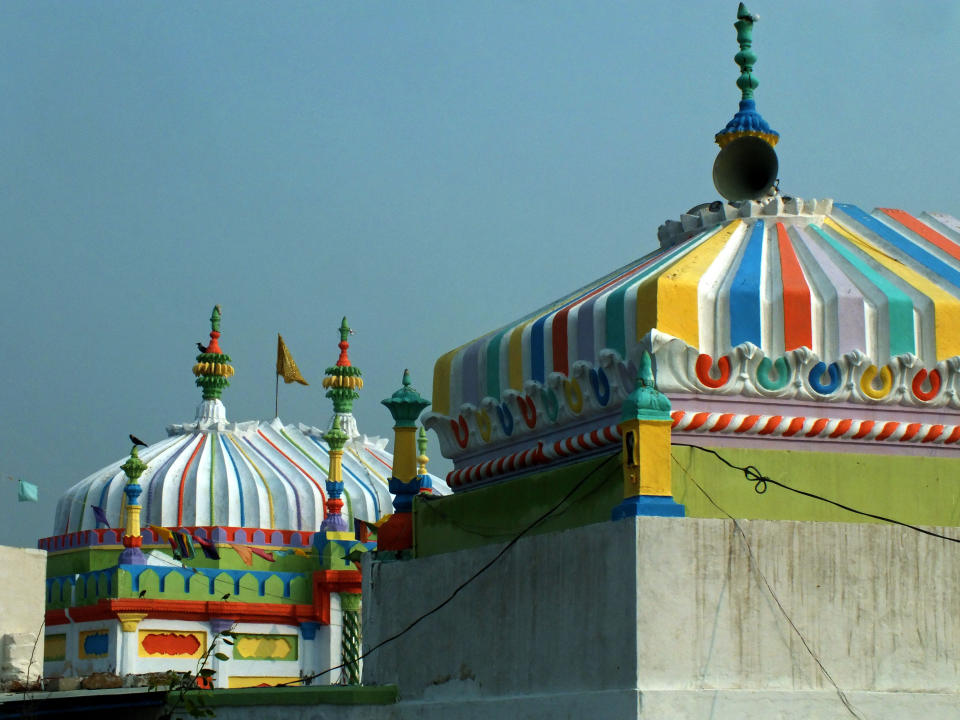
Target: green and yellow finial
{"points": [[343, 380], [422, 458], [747, 121], [213, 365]]}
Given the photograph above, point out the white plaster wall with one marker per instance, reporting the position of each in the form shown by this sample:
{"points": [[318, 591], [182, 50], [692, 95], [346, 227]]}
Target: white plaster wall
{"points": [[664, 618], [22, 598]]}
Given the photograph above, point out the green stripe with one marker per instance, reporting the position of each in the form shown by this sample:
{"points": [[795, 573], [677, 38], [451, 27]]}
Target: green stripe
{"points": [[493, 365], [900, 304]]}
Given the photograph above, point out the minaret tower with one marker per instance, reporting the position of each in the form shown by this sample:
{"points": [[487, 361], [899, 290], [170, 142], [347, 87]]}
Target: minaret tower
{"points": [[343, 383], [213, 369], [405, 405], [133, 468]]}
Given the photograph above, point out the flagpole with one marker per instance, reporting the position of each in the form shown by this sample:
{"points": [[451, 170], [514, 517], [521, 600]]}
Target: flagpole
{"points": [[276, 398]]}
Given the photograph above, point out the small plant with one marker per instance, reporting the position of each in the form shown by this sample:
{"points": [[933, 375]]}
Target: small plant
{"points": [[180, 684]]}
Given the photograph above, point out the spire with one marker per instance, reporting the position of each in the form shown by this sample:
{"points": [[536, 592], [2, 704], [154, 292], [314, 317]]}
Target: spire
{"points": [[426, 484], [212, 370], [343, 382], [133, 468], [747, 121], [343, 379]]}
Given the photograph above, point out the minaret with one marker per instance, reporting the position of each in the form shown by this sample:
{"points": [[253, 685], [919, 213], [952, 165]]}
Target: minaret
{"points": [[212, 370], [405, 405], [645, 424], [343, 382], [132, 554]]}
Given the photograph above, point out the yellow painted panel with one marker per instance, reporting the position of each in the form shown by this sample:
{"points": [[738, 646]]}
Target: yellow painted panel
{"points": [[55, 647], [265, 647], [946, 307], [94, 644], [258, 680], [677, 298], [171, 643]]}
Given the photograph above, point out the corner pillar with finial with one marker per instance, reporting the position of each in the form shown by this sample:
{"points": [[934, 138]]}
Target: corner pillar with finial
{"points": [[405, 405], [133, 468], [645, 424], [212, 370], [343, 383]]}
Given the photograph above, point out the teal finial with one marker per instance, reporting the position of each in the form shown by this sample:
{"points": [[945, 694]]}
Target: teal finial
{"points": [[406, 404], [421, 441], [646, 402], [746, 57], [215, 318], [747, 121]]}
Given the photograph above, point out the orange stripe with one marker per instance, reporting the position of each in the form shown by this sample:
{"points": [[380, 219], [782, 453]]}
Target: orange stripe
{"points": [[183, 479], [797, 328], [771, 425], [323, 495], [841, 428], [864, 430], [818, 427], [924, 231], [934, 432]]}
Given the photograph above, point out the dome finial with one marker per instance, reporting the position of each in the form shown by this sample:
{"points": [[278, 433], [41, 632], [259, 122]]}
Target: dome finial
{"points": [[747, 121], [212, 370], [343, 380]]}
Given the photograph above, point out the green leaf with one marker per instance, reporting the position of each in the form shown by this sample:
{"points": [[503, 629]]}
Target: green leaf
{"points": [[221, 656], [228, 641], [207, 672]]}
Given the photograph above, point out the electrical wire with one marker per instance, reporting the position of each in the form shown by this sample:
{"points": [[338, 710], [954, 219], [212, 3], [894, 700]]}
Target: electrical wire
{"points": [[755, 568], [761, 481], [462, 585]]}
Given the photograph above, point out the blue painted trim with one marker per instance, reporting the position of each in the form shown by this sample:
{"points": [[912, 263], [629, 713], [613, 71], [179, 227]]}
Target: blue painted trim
{"points": [[928, 261], [745, 293], [648, 505]]}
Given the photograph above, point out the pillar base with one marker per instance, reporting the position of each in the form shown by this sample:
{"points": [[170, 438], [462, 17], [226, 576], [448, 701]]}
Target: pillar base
{"points": [[653, 505]]}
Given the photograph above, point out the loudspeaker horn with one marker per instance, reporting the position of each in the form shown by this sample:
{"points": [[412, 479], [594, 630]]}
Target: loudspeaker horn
{"points": [[746, 169]]}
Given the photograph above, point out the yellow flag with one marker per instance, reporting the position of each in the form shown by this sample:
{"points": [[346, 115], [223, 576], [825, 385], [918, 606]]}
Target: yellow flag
{"points": [[286, 367]]}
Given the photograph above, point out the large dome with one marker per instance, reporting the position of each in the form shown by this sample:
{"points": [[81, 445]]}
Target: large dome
{"points": [[255, 474], [249, 474], [797, 305]]}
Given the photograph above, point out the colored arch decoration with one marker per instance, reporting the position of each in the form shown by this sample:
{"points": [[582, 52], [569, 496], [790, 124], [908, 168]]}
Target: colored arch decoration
{"points": [[833, 370], [917, 385], [705, 365]]}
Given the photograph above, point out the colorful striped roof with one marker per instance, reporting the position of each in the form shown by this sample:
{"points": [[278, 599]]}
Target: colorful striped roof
{"points": [[250, 475], [783, 284]]}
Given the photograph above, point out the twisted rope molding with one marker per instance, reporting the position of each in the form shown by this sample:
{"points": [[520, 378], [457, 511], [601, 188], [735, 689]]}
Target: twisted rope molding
{"points": [[779, 426]]}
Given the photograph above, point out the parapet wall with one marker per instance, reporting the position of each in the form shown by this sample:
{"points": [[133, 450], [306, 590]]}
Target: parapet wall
{"points": [[664, 617], [21, 613]]}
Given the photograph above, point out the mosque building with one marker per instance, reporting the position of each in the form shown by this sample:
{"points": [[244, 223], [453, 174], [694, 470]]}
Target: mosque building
{"points": [[248, 528], [719, 481]]}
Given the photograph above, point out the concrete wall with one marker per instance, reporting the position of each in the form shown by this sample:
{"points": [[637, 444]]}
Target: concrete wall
{"points": [[22, 595], [665, 618]]}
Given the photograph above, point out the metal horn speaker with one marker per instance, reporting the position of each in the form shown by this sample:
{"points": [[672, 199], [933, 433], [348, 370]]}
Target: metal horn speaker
{"points": [[746, 169]]}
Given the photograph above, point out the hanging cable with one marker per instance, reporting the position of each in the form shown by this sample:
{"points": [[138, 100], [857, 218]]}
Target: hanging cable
{"points": [[466, 582], [761, 481], [755, 568]]}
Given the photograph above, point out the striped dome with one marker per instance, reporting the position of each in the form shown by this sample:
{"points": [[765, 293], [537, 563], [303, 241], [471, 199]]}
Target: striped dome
{"points": [[786, 299], [250, 474]]}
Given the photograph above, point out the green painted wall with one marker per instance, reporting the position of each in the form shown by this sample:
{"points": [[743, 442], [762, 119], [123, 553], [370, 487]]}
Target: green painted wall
{"points": [[916, 490]]}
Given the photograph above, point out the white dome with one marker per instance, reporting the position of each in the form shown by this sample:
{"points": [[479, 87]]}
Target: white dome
{"points": [[251, 474]]}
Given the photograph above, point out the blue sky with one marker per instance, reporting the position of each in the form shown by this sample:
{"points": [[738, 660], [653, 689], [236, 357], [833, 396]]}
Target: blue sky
{"points": [[430, 169]]}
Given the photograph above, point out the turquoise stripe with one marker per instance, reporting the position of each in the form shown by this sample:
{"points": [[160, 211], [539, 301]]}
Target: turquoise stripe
{"points": [[899, 303], [931, 262]]}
